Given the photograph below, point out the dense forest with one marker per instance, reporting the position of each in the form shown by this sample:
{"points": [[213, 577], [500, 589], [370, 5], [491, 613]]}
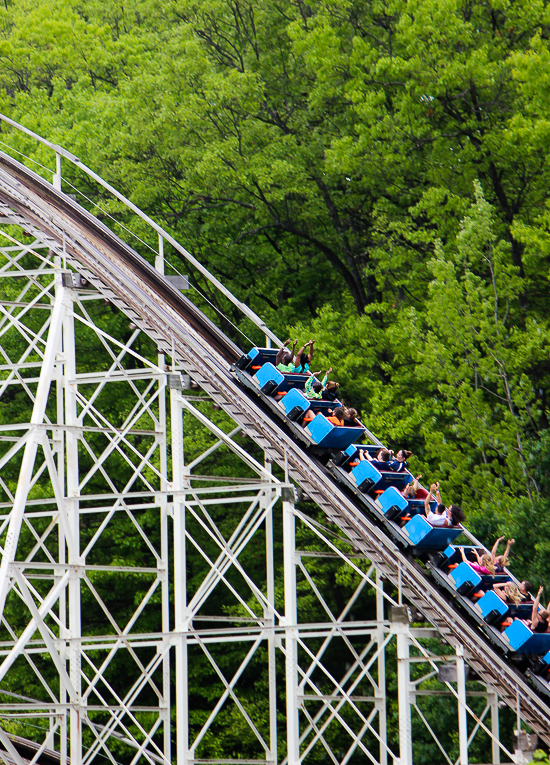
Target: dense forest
{"points": [[370, 174], [373, 175]]}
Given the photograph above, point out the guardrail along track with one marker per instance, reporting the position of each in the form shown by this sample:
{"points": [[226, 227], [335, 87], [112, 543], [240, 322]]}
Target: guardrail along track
{"points": [[177, 326]]}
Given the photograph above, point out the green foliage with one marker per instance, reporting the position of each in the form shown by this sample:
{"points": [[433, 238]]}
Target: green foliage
{"points": [[372, 174], [458, 380], [306, 153]]}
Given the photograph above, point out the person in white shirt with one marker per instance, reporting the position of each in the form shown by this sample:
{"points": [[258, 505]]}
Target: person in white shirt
{"points": [[442, 516]]}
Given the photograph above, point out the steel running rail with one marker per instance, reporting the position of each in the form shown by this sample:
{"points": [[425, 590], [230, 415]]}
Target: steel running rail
{"points": [[163, 236], [181, 330]]}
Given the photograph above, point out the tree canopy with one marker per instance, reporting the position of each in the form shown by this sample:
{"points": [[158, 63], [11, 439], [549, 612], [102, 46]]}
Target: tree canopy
{"points": [[322, 159], [372, 174]]}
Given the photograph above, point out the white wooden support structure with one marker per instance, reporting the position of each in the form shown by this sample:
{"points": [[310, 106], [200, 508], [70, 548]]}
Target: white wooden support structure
{"points": [[58, 457], [76, 471]]}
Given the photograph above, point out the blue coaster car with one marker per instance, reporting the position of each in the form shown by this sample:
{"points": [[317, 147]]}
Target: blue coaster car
{"points": [[491, 607], [268, 379], [255, 358], [351, 454], [465, 578], [325, 434], [423, 536], [367, 477], [296, 405], [521, 639], [451, 554], [396, 508], [292, 381]]}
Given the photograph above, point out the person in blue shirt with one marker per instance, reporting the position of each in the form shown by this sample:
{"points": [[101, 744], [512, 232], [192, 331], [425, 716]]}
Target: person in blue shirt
{"points": [[302, 360], [380, 461], [399, 463], [351, 420]]}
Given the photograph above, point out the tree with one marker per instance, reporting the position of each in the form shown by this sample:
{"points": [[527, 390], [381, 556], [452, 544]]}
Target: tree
{"points": [[457, 380], [307, 153]]}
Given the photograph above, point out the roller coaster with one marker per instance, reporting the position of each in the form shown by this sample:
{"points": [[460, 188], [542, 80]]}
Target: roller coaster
{"points": [[362, 503]]}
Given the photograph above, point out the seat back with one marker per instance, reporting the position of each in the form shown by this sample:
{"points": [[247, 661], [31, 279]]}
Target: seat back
{"points": [[393, 503], [291, 381], [451, 555], [491, 607], [295, 404], [268, 379], [521, 639], [366, 476], [330, 436], [255, 358], [465, 578], [399, 480]]}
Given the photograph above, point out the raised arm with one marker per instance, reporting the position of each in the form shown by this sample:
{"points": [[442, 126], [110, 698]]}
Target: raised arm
{"points": [[535, 611], [478, 557], [282, 350], [495, 548], [507, 552], [298, 356], [433, 487], [308, 387], [499, 589], [411, 487], [464, 558]]}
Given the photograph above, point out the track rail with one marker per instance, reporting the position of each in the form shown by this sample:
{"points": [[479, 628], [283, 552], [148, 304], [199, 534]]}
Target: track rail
{"points": [[179, 327]]}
